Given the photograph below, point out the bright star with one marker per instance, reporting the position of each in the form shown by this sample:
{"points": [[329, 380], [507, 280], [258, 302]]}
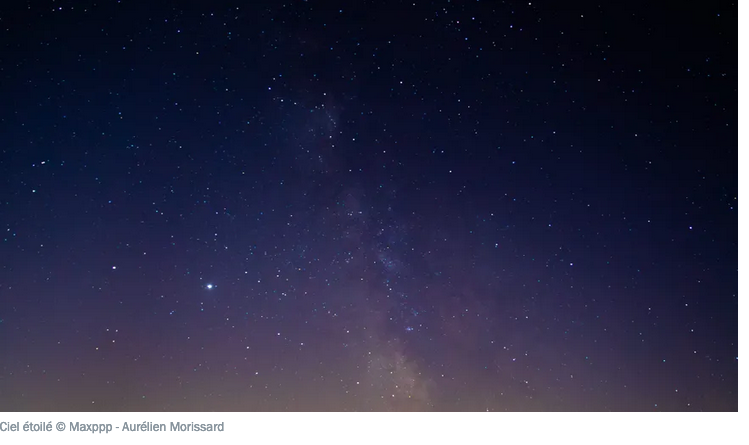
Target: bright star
{"points": [[209, 286]]}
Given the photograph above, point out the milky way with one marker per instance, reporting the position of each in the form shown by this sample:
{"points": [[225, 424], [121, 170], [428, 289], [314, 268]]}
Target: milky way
{"points": [[368, 206]]}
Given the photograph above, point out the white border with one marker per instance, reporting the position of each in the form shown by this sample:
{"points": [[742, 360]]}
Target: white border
{"points": [[406, 428]]}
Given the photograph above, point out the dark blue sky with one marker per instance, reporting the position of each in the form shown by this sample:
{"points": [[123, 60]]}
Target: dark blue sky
{"points": [[412, 205]]}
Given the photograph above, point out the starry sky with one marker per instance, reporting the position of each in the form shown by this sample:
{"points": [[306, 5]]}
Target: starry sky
{"points": [[412, 205]]}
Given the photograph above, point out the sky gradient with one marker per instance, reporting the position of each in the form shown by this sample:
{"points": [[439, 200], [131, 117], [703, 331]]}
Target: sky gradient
{"points": [[368, 206]]}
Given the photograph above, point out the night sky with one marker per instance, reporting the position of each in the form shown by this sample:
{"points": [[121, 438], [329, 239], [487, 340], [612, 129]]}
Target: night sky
{"points": [[368, 206]]}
